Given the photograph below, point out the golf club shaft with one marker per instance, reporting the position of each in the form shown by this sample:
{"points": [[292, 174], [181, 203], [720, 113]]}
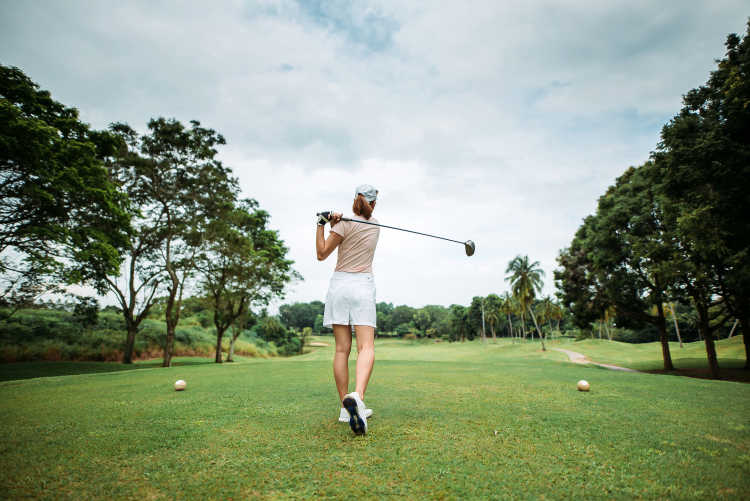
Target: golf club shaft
{"points": [[401, 229]]}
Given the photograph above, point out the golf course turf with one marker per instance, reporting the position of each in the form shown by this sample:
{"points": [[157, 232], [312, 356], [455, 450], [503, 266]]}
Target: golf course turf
{"points": [[461, 420]]}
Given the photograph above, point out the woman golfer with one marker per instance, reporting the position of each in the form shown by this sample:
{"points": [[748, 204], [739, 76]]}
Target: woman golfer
{"points": [[351, 300]]}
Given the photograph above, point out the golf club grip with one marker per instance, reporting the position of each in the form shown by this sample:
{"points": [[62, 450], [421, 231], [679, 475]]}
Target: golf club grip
{"points": [[400, 229]]}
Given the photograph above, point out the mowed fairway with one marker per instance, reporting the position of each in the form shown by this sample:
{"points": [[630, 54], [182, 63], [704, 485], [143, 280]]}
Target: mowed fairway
{"points": [[461, 420]]}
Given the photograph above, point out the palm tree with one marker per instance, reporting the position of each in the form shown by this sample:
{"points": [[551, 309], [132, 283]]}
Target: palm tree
{"points": [[508, 308], [526, 282], [557, 315], [492, 313], [547, 309]]}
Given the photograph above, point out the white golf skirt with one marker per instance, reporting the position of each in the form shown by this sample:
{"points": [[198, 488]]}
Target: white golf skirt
{"points": [[350, 300]]}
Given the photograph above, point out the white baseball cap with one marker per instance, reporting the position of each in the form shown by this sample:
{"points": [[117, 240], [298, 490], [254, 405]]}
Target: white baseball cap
{"points": [[370, 193]]}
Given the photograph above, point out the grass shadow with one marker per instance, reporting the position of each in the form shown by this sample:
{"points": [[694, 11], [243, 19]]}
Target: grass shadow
{"points": [[27, 370]]}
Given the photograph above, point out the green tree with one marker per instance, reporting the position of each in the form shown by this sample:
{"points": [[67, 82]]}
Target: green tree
{"points": [[492, 305], [318, 325], [86, 312], [136, 284], [242, 264], [474, 318], [272, 330], [402, 315], [305, 335], [300, 315], [526, 282], [383, 312], [546, 308], [187, 187], [242, 323], [459, 322], [633, 251], [422, 320], [508, 307], [704, 167], [61, 220], [578, 287]]}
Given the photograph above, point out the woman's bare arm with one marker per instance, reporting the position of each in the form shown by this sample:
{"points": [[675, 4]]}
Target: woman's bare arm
{"points": [[324, 246]]}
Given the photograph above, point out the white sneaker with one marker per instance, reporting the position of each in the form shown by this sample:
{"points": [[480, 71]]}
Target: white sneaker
{"points": [[356, 408], [344, 416]]}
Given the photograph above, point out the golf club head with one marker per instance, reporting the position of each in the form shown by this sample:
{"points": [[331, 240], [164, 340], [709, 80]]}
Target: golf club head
{"points": [[470, 247]]}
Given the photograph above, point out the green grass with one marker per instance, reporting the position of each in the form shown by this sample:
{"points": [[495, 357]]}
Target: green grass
{"points": [[451, 421], [27, 370], [647, 356]]}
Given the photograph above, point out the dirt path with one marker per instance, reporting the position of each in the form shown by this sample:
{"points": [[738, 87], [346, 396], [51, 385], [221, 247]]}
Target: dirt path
{"points": [[580, 358]]}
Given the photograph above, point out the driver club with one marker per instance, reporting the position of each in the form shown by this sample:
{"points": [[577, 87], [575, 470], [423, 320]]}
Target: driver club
{"points": [[469, 246]]}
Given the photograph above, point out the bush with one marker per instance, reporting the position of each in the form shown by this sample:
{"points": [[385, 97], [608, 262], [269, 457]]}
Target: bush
{"points": [[403, 329]]}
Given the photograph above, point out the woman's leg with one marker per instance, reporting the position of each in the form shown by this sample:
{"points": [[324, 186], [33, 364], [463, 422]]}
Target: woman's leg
{"points": [[365, 356], [343, 336]]}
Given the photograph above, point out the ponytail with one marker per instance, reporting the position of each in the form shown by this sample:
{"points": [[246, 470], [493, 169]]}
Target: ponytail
{"points": [[362, 207]]}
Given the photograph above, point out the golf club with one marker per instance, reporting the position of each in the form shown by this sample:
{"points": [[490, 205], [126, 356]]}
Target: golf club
{"points": [[469, 246]]}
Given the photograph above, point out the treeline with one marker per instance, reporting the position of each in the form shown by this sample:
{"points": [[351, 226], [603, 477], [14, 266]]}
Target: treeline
{"points": [[502, 320], [151, 218], [676, 230], [519, 314], [77, 329]]}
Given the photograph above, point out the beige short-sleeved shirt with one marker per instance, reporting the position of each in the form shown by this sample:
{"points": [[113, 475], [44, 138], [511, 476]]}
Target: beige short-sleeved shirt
{"points": [[357, 248]]}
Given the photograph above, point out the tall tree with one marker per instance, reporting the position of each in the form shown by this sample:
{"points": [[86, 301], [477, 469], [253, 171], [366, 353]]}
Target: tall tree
{"points": [[704, 162], [188, 186], [633, 251], [474, 318], [244, 322], [550, 311], [242, 264], [508, 307], [459, 321], [492, 312], [135, 286], [422, 320], [61, 220], [526, 282], [579, 289]]}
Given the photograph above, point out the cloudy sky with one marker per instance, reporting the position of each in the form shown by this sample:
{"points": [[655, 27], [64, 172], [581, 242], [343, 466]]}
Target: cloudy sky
{"points": [[500, 122]]}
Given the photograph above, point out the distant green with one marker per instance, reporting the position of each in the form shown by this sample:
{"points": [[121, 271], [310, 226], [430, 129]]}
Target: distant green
{"points": [[647, 356], [460, 420]]}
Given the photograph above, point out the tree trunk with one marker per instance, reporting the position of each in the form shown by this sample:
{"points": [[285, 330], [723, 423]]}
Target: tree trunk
{"points": [[713, 363], [744, 324], [550, 327], [734, 326], [230, 355], [510, 326], [708, 337], [484, 334], [523, 325], [219, 338], [606, 329], [172, 316], [541, 336], [558, 327], [127, 357], [662, 325], [676, 327], [168, 346], [492, 329], [600, 329]]}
